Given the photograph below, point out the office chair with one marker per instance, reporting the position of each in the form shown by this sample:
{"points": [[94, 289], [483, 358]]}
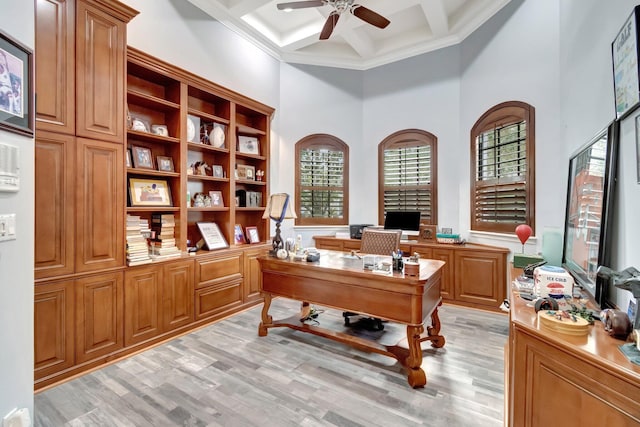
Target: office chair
{"points": [[375, 242]]}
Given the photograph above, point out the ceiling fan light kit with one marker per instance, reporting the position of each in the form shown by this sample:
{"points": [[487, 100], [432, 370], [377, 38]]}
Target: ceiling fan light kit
{"points": [[339, 6]]}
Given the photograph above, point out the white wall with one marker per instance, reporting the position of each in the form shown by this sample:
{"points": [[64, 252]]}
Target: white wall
{"points": [[587, 28], [515, 56], [16, 257]]}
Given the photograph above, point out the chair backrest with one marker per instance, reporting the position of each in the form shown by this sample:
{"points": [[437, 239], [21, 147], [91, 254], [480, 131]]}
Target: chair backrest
{"points": [[380, 242]]}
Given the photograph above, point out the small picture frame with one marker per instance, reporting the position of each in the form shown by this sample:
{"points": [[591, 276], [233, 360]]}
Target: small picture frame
{"points": [[139, 125], [427, 233], [212, 236], [160, 130], [128, 161], [149, 192], [252, 234], [248, 145], [217, 171], [216, 198], [446, 230], [238, 235], [142, 157], [165, 164], [246, 172]]}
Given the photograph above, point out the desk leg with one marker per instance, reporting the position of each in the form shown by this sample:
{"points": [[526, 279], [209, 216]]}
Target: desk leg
{"points": [[266, 318], [433, 331], [416, 376]]}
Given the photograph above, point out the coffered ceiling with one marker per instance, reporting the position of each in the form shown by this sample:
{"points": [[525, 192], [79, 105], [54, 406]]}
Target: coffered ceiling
{"points": [[417, 26]]}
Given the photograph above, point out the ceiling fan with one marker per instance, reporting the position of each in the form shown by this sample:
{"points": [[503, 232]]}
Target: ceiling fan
{"points": [[340, 6]]}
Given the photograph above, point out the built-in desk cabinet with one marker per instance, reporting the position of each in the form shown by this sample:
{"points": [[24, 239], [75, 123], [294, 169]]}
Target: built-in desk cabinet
{"points": [[474, 275], [564, 380]]}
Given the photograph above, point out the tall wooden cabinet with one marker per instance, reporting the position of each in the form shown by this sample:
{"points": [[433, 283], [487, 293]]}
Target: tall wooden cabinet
{"points": [[90, 306]]}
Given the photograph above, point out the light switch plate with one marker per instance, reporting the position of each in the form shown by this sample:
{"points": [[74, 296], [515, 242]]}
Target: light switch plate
{"points": [[7, 227]]}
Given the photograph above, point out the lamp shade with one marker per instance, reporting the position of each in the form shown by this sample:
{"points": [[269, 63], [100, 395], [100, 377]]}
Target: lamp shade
{"points": [[279, 208]]}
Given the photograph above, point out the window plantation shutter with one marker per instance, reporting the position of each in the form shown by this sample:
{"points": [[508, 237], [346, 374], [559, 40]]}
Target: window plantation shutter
{"points": [[321, 183], [407, 180], [501, 172]]}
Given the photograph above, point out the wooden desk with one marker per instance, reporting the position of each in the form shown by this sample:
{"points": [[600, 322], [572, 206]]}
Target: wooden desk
{"points": [[339, 281], [558, 379], [474, 275]]}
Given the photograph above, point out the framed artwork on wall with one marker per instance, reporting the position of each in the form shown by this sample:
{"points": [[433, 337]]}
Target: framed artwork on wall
{"points": [[624, 51], [16, 86]]}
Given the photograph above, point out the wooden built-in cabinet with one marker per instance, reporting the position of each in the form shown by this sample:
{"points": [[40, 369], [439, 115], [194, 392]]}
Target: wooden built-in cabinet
{"points": [[474, 275], [90, 306], [559, 379]]}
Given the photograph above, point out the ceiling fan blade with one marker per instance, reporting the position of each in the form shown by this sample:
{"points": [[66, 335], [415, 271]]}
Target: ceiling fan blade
{"points": [[329, 25], [300, 4], [369, 16]]}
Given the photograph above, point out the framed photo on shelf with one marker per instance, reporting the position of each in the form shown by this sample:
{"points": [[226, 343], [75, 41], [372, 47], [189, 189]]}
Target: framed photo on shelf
{"points": [[165, 164], [216, 198], [212, 236], [142, 157], [160, 130], [129, 162], [246, 172], [16, 86], [624, 50], [139, 125], [217, 170], [248, 145], [238, 235], [252, 234], [427, 233], [149, 192]]}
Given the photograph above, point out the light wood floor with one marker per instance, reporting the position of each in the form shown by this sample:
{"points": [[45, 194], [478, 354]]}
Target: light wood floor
{"points": [[225, 375]]}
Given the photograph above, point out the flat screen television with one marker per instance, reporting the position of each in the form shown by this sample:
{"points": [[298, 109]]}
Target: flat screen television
{"points": [[408, 221], [589, 210]]}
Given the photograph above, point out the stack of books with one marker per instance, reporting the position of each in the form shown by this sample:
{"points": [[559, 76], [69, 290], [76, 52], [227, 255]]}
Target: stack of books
{"points": [[137, 248], [163, 245]]}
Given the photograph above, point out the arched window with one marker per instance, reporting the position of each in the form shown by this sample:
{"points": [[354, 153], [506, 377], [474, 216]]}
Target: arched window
{"points": [[408, 174], [322, 181], [503, 168]]}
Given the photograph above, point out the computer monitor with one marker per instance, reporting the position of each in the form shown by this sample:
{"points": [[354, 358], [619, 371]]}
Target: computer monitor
{"points": [[407, 221]]}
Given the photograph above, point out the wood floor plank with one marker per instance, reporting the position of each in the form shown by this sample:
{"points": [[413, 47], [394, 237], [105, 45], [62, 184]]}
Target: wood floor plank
{"points": [[226, 375]]}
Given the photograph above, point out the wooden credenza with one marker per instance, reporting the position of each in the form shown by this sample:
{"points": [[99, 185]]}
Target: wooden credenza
{"points": [[474, 275], [558, 379]]}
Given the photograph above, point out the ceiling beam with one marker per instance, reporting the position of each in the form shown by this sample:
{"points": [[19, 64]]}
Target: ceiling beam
{"points": [[242, 7], [437, 17]]}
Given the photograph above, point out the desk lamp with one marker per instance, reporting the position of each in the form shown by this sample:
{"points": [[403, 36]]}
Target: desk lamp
{"points": [[278, 209]]}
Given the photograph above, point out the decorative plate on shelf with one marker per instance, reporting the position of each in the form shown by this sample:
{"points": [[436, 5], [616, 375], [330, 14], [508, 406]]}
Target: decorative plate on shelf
{"points": [[191, 129], [217, 136]]}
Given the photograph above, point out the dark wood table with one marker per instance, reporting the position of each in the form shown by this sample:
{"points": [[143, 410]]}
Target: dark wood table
{"points": [[339, 281]]}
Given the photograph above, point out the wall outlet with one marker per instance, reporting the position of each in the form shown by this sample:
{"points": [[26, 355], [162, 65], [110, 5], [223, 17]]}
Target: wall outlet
{"points": [[17, 418]]}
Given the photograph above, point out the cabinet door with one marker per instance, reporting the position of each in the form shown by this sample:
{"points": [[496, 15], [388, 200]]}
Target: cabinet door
{"points": [[142, 302], [53, 328], [100, 73], [55, 66], [480, 278], [54, 204], [177, 294], [252, 276], [446, 284], [100, 206], [99, 313]]}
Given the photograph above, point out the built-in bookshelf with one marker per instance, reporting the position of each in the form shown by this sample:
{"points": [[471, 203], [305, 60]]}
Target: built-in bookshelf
{"points": [[207, 145]]}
